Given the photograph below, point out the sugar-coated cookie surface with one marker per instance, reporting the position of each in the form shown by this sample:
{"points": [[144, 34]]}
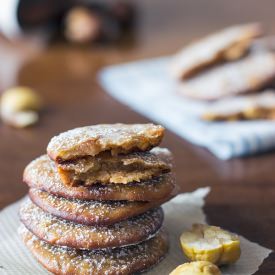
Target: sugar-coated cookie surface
{"points": [[118, 261], [90, 212], [249, 74], [93, 205], [116, 138], [42, 174], [228, 44], [249, 107], [57, 231]]}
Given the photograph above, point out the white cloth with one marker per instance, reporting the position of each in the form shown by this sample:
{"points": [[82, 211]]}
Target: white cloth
{"points": [[180, 214], [9, 25], [147, 87]]}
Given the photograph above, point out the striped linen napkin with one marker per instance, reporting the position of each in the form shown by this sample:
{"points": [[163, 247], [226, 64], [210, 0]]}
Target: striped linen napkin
{"points": [[180, 214], [147, 88]]}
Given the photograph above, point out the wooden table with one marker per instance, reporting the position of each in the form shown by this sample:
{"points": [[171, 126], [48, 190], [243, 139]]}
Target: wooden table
{"points": [[242, 198]]}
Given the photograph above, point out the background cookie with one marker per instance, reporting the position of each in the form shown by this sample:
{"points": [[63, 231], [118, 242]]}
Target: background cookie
{"points": [[249, 107], [228, 44], [249, 74]]}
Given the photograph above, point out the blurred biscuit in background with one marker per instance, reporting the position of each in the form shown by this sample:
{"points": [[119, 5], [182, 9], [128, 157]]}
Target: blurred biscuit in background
{"points": [[249, 74], [228, 44], [251, 107]]}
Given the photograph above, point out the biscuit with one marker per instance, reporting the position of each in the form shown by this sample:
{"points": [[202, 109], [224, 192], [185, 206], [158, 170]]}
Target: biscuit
{"points": [[117, 261], [106, 168], [42, 174], [228, 44], [90, 212], [114, 138], [250, 107], [64, 233], [243, 76]]}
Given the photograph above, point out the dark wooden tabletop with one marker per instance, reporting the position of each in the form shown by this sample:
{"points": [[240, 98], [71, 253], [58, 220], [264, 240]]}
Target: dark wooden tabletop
{"points": [[242, 197]]}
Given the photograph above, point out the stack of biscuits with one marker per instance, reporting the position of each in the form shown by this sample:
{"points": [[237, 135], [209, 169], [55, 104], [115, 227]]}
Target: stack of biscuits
{"points": [[94, 200]]}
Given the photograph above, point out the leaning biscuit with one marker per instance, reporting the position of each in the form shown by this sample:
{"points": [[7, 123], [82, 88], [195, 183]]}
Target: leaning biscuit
{"points": [[56, 231], [118, 261], [243, 76], [90, 212], [250, 107], [42, 174], [228, 44], [115, 138]]}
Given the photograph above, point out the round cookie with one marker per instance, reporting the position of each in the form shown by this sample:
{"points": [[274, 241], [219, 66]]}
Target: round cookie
{"points": [[118, 261], [116, 138], [64, 233], [89, 212], [42, 174]]}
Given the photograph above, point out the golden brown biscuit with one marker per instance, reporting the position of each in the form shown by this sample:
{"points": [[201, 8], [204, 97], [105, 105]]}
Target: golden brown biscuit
{"points": [[249, 74], [115, 138], [42, 174], [228, 44], [64, 233], [250, 107], [90, 212], [118, 261], [105, 168]]}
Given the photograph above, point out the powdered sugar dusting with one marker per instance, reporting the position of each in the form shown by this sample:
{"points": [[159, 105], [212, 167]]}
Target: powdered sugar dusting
{"points": [[41, 173], [125, 260], [107, 227], [91, 140], [88, 212], [62, 232]]}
